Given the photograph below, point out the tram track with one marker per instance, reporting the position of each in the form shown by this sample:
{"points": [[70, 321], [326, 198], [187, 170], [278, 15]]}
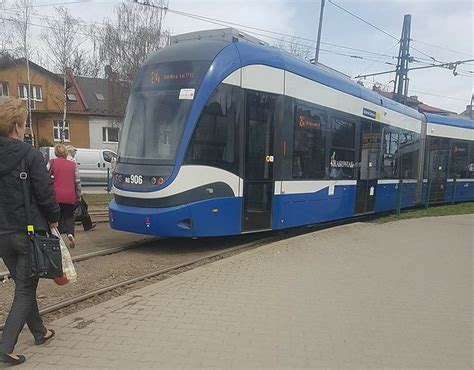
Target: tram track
{"points": [[82, 257], [116, 288], [173, 270]]}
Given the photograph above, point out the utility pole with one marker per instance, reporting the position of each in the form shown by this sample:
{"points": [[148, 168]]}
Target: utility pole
{"points": [[320, 28], [472, 98], [400, 88]]}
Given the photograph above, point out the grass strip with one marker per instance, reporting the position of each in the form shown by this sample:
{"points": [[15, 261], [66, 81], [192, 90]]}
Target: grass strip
{"points": [[98, 199], [433, 211]]}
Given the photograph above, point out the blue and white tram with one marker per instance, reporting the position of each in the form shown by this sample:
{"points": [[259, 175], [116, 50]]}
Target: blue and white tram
{"points": [[227, 138]]}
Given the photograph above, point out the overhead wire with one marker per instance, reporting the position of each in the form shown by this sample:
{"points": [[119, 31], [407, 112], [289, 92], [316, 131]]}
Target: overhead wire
{"points": [[362, 19], [45, 26], [38, 17], [379, 29], [442, 48], [60, 4], [226, 23], [419, 92], [53, 18], [370, 66], [431, 58]]}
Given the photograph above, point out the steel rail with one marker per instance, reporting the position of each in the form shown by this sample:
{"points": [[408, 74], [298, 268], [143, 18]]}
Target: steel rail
{"points": [[86, 256], [79, 298], [289, 233]]}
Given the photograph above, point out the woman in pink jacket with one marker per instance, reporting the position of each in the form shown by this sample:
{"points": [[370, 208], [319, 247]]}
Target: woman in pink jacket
{"points": [[67, 188]]}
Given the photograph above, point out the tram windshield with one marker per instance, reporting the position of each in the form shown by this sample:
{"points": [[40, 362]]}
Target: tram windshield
{"points": [[157, 111]]}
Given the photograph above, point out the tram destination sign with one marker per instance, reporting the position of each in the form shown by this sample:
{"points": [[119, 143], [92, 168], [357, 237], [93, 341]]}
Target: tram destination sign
{"points": [[174, 76]]}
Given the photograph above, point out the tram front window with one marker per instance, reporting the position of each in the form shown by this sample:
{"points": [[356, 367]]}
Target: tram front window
{"points": [[153, 126], [157, 111]]}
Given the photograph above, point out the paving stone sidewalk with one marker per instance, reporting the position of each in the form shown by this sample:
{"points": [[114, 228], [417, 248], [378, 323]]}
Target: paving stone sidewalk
{"points": [[355, 296]]}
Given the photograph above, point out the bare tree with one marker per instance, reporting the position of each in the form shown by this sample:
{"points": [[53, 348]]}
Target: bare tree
{"points": [[79, 64], [134, 34], [295, 47], [62, 42], [84, 64], [6, 41], [23, 11], [86, 61]]}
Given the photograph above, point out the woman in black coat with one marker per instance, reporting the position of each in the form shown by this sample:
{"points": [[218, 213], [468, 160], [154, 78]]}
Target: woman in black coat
{"points": [[14, 241]]}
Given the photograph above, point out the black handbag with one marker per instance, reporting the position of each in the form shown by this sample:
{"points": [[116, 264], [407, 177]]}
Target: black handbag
{"points": [[77, 211], [46, 258]]}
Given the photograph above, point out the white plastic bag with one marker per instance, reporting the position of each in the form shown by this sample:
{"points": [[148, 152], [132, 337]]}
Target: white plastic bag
{"points": [[69, 272]]}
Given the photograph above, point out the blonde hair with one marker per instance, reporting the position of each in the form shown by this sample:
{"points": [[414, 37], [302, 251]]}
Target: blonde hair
{"points": [[12, 112], [60, 150]]}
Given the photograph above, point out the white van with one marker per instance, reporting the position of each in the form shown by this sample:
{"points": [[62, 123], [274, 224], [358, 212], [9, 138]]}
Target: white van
{"points": [[92, 163]]}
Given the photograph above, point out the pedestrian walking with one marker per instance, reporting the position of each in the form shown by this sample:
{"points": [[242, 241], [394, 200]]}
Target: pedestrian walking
{"points": [[67, 188], [15, 245], [84, 216]]}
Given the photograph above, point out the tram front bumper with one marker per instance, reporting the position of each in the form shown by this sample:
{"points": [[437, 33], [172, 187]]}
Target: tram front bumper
{"points": [[171, 221]]}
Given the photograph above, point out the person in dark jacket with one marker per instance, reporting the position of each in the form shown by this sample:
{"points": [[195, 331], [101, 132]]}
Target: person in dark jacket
{"points": [[14, 241]]}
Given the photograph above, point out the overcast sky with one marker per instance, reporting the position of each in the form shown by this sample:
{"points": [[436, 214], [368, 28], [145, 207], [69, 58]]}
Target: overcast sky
{"points": [[444, 24]]}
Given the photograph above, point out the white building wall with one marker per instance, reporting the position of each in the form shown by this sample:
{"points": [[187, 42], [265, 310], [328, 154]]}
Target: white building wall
{"points": [[96, 124]]}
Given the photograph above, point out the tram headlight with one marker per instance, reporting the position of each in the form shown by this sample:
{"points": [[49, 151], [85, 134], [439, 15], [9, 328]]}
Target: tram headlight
{"points": [[157, 180]]}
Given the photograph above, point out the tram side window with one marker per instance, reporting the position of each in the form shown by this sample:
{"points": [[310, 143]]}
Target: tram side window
{"points": [[309, 144], [459, 168], [390, 159], [409, 149], [342, 153], [215, 139]]}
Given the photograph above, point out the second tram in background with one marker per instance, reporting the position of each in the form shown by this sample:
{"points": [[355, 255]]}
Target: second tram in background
{"points": [[224, 135]]}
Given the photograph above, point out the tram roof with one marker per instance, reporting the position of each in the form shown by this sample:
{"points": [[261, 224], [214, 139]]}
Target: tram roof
{"points": [[449, 121], [204, 50], [273, 57], [251, 53]]}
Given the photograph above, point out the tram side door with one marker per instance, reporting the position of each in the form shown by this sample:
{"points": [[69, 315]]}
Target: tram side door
{"points": [[369, 150], [258, 162], [438, 168]]}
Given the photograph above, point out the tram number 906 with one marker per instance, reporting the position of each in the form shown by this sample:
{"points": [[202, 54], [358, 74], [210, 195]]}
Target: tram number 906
{"points": [[135, 179]]}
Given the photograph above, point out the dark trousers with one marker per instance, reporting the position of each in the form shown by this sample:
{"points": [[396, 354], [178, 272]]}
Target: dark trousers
{"points": [[66, 220], [15, 251]]}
